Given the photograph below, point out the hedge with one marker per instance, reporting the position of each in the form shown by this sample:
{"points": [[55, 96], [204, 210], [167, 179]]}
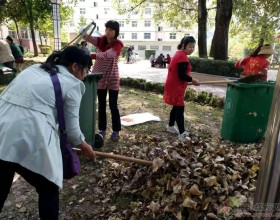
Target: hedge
{"points": [[214, 67], [203, 97]]}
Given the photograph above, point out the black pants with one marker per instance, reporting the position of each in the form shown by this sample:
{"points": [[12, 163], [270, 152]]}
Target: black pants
{"points": [[48, 192], [113, 104], [177, 115]]}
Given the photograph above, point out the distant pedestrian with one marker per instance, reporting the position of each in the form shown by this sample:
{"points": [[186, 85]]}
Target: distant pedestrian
{"points": [[257, 62], [152, 60], [176, 84], [16, 51]]}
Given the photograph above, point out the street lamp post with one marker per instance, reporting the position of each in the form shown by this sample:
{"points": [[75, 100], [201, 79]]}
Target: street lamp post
{"points": [[56, 24]]}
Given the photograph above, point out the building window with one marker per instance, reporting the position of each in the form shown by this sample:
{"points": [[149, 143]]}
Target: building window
{"points": [[106, 0], [159, 28], [72, 24], [134, 13], [134, 36], [121, 23], [154, 47], [147, 35], [166, 48], [94, 4], [147, 23], [82, 0], [24, 34], [82, 11], [12, 34], [141, 47], [97, 16], [121, 36], [106, 11], [172, 36], [97, 28], [147, 11], [134, 23], [159, 39]]}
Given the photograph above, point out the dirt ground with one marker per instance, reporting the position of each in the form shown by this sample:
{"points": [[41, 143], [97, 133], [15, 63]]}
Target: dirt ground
{"points": [[115, 190]]}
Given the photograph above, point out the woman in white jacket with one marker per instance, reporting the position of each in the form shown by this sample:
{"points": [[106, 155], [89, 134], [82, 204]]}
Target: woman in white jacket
{"points": [[29, 138]]}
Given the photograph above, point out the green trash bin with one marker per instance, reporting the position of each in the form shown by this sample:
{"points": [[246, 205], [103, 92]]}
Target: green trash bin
{"points": [[6, 75], [246, 111], [88, 108]]}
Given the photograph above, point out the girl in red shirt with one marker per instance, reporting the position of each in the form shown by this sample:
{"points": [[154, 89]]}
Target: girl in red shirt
{"points": [[108, 49], [257, 62], [178, 77]]}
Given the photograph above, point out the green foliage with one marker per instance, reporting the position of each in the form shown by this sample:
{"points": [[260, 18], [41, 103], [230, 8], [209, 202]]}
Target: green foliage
{"points": [[256, 21], [203, 98], [45, 49], [214, 67], [148, 53]]}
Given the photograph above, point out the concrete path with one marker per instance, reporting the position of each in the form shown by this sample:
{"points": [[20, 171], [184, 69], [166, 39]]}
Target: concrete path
{"points": [[143, 70]]}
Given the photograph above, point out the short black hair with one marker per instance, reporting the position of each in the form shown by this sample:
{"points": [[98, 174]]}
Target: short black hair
{"points": [[114, 25], [184, 42], [9, 39]]}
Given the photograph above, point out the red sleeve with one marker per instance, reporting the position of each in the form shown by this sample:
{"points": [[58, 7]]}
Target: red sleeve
{"points": [[117, 46], [242, 63], [93, 56]]}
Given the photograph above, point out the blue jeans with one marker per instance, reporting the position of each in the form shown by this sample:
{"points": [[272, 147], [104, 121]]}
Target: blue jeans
{"points": [[48, 192]]}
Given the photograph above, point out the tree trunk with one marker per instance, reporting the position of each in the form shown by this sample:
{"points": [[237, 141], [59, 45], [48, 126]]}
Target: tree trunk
{"points": [[219, 46], [33, 39], [18, 34], [202, 29]]}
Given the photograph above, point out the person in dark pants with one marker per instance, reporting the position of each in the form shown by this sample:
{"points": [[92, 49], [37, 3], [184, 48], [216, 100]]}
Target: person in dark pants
{"points": [[108, 50], [29, 135], [176, 84]]}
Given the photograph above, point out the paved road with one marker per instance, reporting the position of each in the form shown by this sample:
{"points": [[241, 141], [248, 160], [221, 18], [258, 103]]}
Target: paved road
{"points": [[143, 70]]}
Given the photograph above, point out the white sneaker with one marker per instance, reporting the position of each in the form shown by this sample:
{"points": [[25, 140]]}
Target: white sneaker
{"points": [[184, 136], [172, 129]]}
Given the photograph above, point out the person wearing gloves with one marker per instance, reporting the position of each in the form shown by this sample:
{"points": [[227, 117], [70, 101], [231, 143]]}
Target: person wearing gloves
{"points": [[176, 83], [29, 135], [257, 62], [108, 50]]}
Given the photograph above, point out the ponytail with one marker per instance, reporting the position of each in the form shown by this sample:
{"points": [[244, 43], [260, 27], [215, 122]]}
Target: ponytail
{"points": [[50, 64], [67, 57]]}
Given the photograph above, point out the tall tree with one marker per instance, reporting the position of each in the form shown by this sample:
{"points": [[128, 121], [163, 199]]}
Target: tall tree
{"points": [[182, 14], [219, 46], [258, 19], [202, 28]]}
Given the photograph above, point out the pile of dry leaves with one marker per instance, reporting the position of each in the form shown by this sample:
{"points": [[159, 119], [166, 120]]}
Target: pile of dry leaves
{"points": [[201, 178]]}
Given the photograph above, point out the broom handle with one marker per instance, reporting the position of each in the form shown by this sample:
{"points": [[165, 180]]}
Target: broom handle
{"points": [[216, 82], [119, 157], [123, 158]]}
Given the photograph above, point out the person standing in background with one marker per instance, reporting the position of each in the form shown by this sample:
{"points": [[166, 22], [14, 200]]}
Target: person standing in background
{"points": [[108, 50], [16, 51], [257, 62], [6, 56], [176, 83]]}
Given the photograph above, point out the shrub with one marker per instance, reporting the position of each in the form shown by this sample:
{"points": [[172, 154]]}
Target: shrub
{"points": [[214, 67], [148, 53], [45, 49]]}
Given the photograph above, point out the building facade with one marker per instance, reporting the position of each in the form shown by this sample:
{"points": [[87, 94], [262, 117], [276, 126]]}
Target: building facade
{"points": [[139, 31]]}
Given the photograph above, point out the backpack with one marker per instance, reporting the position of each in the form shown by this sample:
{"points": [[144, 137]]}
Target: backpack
{"points": [[21, 48]]}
